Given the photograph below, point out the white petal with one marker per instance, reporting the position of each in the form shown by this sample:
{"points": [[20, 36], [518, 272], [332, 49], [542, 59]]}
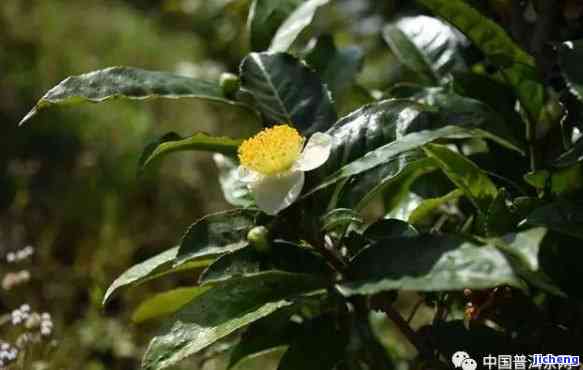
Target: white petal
{"points": [[316, 152], [275, 193], [248, 176]]}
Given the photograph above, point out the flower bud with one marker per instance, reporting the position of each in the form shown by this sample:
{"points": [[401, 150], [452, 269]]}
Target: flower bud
{"points": [[229, 84], [259, 239]]}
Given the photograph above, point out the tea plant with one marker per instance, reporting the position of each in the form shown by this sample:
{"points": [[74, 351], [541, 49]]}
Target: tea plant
{"points": [[475, 158]]}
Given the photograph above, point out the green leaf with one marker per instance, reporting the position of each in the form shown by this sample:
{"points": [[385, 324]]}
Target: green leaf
{"points": [[222, 310], [428, 263], [395, 176], [517, 66], [264, 335], [265, 17], [563, 181], [530, 90], [426, 45], [372, 135], [216, 233], [287, 91], [127, 83], [570, 56], [369, 128], [495, 94], [526, 245], [283, 256], [337, 67], [464, 111], [166, 303], [320, 345], [563, 216], [340, 219], [152, 268], [523, 250], [464, 174], [292, 257], [389, 228], [239, 263], [235, 191], [295, 24], [384, 153], [172, 142], [429, 207], [483, 32]]}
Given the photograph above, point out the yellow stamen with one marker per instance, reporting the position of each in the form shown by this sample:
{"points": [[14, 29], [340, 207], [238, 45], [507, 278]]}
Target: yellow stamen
{"points": [[271, 151]]}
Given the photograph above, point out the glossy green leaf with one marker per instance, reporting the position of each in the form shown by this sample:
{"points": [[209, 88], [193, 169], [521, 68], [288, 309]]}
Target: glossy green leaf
{"points": [[282, 256], [563, 216], [369, 128], [170, 143], [152, 268], [395, 176], [517, 66], [376, 133], [340, 219], [429, 207], [402, 196], [389, 228], [483, 32], [235, 191], [222, 310], [337, 67], [465, 174], [523, 250], [428, 263], [457, 109], [570, 56], [216, 233], [320, 345], [265, 17], [291, 257], [531, 93], [287, 91], [166, 303], [426, 45], [127, 83], [292, 27], [264, 335], [526, 245], [409, 142], [242, 262]]}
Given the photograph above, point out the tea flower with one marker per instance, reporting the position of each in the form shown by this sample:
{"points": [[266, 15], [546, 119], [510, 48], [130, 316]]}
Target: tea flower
{"points": [[273, 163]]}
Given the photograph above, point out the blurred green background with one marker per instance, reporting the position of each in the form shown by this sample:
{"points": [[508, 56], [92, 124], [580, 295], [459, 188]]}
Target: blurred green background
{"points": [[68, 183]]}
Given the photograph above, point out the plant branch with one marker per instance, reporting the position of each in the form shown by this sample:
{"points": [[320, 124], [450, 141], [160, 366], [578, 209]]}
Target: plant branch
{"points": [[383, 304], [415, 309], [335, 261]]}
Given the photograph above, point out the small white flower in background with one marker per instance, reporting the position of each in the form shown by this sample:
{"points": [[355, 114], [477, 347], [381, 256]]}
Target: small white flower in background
{"points": [[8, 354], [273, 163]]}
